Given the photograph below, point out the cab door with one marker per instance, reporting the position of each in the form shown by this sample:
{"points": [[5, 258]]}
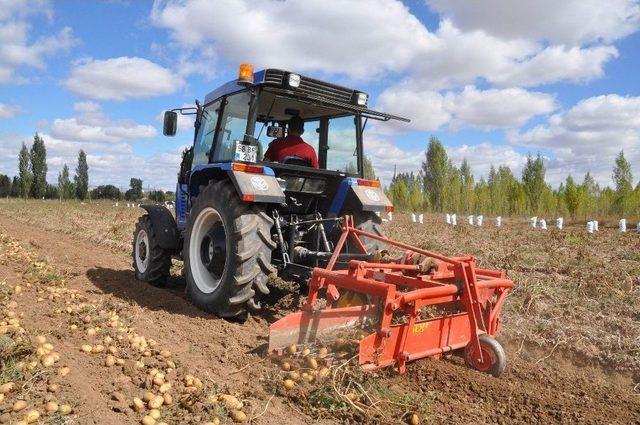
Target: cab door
{"points": [[203, 143]]}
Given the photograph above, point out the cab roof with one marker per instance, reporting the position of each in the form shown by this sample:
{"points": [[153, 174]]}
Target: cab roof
{"points": [[309, 89]]}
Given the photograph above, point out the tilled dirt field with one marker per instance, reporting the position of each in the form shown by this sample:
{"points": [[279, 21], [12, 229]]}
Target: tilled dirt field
{"points": [[572, 353]]}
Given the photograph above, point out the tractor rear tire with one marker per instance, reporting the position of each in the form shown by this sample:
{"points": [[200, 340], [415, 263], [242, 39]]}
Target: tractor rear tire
{"points": [[227, 251], [371, 223], [150, 262]]}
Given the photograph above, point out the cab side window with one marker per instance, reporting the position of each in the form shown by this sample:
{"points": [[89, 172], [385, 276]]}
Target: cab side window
{"points": [[206, 132]]}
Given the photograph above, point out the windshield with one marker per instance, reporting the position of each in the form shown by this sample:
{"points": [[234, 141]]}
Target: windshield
{"points": [[342, 146]]}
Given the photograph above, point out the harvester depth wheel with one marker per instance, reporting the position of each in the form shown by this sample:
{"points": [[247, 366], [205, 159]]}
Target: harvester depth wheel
{"points": [[493, 356], [227, 251], [150, 262]]}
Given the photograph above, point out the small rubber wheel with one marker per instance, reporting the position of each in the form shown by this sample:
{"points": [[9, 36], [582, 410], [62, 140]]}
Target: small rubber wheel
{"points": [[494, 359]]}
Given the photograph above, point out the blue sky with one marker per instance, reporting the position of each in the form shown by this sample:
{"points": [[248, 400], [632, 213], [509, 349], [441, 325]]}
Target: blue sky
{"points": [[493, 79]]}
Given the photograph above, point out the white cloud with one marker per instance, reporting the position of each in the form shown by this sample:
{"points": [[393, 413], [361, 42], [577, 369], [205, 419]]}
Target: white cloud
{"points": [[497, 108], [16, 48], [93, 125], [557, 63], [427, 109], [348, 39], [122, 78], [572, 22], [483, 109], [460, 58], [345, 37], [588, 136], [8, 111]]}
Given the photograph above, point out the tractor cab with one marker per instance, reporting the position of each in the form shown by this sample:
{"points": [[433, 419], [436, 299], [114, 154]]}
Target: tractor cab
{"points": [[239, 120]]}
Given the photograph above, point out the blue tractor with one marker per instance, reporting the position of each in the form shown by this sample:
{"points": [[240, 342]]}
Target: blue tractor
{"points": [[240, 219]]}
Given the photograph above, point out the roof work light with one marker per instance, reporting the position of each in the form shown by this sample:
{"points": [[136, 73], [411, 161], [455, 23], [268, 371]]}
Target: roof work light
{"points": [[362, 98], [294, 80]]}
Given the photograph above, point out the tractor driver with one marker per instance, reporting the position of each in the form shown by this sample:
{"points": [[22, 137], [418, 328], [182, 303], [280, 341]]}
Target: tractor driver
{"points": [[292, 146]]}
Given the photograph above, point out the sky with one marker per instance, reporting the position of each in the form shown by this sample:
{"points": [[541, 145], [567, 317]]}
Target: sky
{"points": [[494, 80]]}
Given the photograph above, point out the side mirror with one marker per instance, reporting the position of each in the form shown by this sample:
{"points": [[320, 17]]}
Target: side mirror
{"points": [[170, 123]]}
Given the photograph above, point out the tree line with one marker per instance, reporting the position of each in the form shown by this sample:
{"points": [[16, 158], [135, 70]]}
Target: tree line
{"points": [[440, 186], [31, 181]]}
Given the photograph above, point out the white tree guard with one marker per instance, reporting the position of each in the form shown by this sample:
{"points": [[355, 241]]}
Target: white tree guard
{"points": [[543, 224], [534, 222], [454, 220], [498, 221], [470, 220], [622, 225], [479, 220], [448, 218], [559, 222], [590, 227]]}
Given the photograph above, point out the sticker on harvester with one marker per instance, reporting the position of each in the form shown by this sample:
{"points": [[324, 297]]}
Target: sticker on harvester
{"points": [[371, 194], [245, 153], [420, 327], [259, 183]]}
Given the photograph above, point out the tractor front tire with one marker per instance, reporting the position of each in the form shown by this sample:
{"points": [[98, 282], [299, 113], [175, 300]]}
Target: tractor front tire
{"points": [[227, 251], [150, 262]]}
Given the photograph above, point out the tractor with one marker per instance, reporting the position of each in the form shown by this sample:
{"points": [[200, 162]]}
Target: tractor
{"points": [[240, 219]]}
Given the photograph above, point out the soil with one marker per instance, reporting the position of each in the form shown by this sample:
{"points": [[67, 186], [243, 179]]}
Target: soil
{"points": [[539, 385]]}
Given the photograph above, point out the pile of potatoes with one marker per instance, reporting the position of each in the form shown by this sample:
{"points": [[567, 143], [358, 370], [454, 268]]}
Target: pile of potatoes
{"points": [[300, 365], [163, 387], [30, 355], [305, 365]]}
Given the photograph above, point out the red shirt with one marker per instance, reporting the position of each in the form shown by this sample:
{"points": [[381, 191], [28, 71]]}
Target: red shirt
{"points": [[289, 146]]}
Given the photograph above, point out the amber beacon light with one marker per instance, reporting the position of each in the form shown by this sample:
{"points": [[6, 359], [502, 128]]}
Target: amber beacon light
{"points": [[245, 73]]}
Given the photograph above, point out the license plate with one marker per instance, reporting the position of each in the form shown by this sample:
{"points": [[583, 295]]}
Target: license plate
{"points": [[246, 153]]}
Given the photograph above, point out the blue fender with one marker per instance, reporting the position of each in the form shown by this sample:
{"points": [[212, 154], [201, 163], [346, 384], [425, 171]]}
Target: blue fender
{"points": [[164, 225]]}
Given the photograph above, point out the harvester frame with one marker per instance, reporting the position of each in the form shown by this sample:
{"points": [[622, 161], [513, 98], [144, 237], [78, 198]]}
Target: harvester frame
{"points": [[468, 301]]}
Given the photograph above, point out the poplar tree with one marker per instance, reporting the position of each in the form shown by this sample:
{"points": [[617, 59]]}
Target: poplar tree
{"points": [[65, 186], [467, 190], [533, 181], [38, 158], [81, 178], [623, 181], [24, 171], [436, 173], [5, 185]]}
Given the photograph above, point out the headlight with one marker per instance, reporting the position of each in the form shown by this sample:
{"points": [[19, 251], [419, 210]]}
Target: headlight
{"points": [[362, 99], [294, 80]]}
